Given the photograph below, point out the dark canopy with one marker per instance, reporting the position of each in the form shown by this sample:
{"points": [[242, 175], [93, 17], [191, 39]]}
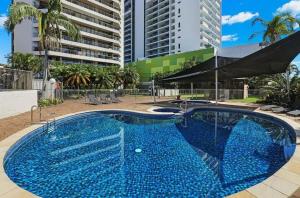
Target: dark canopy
{"points": [[272, 59]]}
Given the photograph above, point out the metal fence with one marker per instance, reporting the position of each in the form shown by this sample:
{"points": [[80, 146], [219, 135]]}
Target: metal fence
{"points": [[15, 79], [205, 94]]}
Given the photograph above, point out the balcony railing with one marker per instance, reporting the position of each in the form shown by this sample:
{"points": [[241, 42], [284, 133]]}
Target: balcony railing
{"points": [[93, 43], [99, 33], [90, 19], [89, 7], [110, 4], [88, 53]]}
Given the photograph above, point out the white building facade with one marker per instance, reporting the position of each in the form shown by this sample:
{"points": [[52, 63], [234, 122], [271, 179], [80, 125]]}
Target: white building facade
{"points": [[170, 27], [101, 27]]}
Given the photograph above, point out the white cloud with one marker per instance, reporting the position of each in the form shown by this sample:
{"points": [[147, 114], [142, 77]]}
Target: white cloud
{"points": [[230, 37], [3, 18], [238, 18], [292, 7]]}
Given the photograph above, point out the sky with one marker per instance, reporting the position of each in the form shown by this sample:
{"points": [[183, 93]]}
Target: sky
{"points": [[237, 16]]}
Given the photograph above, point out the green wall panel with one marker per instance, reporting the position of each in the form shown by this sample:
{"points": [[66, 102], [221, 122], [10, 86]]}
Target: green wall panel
{"points": [[147, 68]]}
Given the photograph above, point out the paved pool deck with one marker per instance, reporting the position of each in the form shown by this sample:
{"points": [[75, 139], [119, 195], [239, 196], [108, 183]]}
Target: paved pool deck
{"points": [[284, 183]]}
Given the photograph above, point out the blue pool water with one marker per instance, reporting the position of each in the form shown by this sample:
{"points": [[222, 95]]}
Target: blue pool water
{"points": [[206, 153]]}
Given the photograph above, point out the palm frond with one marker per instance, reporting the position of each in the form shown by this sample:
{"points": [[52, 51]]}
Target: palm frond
{"points": [[18, 12], [71, 29], [54, 6], [259, 20]]}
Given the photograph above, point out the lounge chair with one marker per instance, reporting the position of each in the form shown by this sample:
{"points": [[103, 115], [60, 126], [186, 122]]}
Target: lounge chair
{"points": [[103, 99], [114, 99], [93, 100], [268, 107], [294, 113], [279, 110], [222, 98]]}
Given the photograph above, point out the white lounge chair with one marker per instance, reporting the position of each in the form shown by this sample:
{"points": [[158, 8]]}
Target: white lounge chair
{"points": [[294, 113], [268, 107], [279, 110], [93, 100]]}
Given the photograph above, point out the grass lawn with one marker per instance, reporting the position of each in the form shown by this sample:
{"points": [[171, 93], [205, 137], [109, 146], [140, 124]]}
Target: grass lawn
{"points": [[252, 99], [194, 97]]}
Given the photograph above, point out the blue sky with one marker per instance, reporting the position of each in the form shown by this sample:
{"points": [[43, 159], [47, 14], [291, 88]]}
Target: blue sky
{"points": [[5, 41], [237, 17]]}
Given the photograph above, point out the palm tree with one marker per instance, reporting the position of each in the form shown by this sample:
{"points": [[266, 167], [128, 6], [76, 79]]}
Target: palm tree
{"points": [[117, 77], [26, 62], [281, 25], [103, 79], [282, 88], [49, 24], [78, 76], [131, 77]]}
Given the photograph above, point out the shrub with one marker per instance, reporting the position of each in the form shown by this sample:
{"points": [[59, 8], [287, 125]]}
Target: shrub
{"points": [[49, 102]]}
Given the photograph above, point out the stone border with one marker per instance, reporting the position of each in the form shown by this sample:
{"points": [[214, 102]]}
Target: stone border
{"points": [[282, 184]]}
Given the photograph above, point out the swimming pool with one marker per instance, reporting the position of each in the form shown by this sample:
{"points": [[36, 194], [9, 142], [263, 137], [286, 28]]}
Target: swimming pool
{"points": [[206, 153]]}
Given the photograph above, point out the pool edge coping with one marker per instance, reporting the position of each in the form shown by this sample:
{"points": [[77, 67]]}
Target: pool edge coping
{"points": [[280, 184]]}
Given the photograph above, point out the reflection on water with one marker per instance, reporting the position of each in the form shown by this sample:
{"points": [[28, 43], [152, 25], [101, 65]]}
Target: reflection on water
{"points": [[237, 147]]}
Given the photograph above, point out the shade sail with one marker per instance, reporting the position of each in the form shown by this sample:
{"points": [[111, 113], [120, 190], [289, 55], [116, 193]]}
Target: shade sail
{"points": [[257, 61]]}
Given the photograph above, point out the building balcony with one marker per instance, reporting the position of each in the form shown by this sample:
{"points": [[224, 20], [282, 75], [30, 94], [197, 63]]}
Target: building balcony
{"points": [[95, 11], [95, 45], [74, 54], [113, 5], [79, 18], [99, 35]]}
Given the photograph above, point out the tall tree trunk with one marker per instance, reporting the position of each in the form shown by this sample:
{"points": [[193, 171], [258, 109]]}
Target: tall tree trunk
{"points": [[45, 73]]}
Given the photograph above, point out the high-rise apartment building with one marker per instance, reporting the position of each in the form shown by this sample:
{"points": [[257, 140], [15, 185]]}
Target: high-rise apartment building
{"points": [[101, 27], [169, 27], [133, 29]]}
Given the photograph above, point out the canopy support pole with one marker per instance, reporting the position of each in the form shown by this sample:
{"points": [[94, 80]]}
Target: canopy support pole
{"points": [[288, 84], [216, 76], [153, 91], [192, 89]]}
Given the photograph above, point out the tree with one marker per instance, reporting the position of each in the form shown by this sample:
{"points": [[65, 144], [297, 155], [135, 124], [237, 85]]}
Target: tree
{"points": [[130, 77], [49, 24], [158, 78], [60, 71], [26, 62], [78, 76], [283, 88], [117, 77], [281, 25], [103, 79]]}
